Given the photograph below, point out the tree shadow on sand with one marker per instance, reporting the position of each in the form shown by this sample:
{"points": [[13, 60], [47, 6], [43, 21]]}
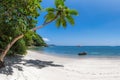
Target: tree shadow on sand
{"points": [[16, 62]]}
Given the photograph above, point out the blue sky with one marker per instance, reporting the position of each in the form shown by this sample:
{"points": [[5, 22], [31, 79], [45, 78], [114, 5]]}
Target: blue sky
{"points": [[98, 23]]}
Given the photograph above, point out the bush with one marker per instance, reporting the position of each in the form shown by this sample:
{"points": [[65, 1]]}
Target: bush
{"points": [[18, 48], [38, 41], [33, 39]]}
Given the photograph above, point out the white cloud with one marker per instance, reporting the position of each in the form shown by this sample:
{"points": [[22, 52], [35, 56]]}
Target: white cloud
{"points": [[46, 39]]}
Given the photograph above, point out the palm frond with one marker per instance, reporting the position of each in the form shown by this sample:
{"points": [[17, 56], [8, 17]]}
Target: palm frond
{"points": [[50, 9], [59, 2], [61, 13], [63, 22], [50, 16], [73, 12], [58, 22], [70, 20]]}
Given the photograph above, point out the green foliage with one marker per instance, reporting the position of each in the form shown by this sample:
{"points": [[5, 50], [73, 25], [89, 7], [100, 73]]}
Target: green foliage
{"points": [[18, 48], [37, 40], [61, 13], [28, 38], [50, 9], [70, 20], [59, 3], [50, 16], [17, 17], [58, 22], [33, 39]]}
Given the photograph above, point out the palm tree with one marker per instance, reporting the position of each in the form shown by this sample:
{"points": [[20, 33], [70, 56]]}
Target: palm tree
{"points": [[61, 14]]}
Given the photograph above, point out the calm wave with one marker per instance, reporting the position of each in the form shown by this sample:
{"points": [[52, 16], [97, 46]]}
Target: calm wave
{"points": [[74, 50]]}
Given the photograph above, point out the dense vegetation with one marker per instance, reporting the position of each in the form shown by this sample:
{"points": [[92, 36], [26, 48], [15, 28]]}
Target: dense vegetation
{"points": [[17, 17], [33, 39], [18, 20]]}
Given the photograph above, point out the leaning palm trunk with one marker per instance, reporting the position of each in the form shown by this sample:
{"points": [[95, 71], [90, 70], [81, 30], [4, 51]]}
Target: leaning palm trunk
{"points": [[7, 48]]}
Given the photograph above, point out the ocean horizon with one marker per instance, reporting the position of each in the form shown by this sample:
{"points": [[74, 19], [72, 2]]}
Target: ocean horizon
{"points": [[73, 51]]}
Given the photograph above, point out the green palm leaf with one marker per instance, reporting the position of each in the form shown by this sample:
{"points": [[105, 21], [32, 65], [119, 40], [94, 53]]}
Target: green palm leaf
{"points": [[59, 2], [73, 12], [50, 16], [70, 20], [50, 9], [58, 22], [63, 21]]}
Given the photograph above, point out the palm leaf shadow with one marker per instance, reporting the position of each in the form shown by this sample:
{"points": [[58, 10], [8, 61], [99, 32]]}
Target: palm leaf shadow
{"points": [[17, 62]]}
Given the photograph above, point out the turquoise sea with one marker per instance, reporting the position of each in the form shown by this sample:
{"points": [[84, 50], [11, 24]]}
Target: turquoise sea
{"points": [[72, 51]]}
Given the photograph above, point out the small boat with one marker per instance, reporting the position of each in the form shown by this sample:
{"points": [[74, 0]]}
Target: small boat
{"points": [[82, 53]]}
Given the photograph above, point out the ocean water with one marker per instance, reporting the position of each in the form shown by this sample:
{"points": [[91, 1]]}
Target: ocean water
{"points": [[72, 51]]}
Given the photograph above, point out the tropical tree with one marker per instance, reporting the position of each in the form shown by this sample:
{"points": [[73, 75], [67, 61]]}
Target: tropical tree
{"points": [[16, 18], [61, 14]]}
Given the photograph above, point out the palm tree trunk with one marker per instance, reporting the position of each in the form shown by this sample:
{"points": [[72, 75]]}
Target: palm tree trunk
{"points": [[7, 49], [44, 24]]}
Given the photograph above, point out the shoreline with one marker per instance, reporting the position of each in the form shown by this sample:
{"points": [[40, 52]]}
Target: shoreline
{"points": [[77, 56], [39, 66]]}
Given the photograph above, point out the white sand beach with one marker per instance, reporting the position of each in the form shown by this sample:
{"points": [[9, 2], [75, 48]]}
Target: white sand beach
{"points": [[39, 66]]}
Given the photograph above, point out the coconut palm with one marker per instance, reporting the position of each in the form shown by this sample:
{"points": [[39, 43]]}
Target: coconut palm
{"points": [[61, 14]]}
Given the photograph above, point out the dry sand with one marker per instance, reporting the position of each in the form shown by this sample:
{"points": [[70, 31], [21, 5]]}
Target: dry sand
{"points": [[39, 66]]}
